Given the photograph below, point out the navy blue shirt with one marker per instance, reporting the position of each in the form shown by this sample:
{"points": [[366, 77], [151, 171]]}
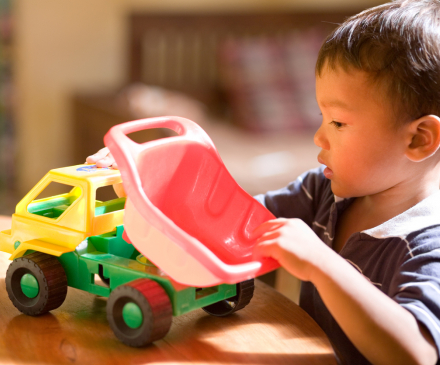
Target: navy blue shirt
{"points": [[401, 257]]}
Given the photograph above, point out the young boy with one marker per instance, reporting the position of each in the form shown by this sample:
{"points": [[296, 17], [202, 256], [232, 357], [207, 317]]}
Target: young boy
{"points": [[363, 232]]}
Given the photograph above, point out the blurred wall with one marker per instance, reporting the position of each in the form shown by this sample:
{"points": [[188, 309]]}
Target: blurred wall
{"points": [[62, 46]]}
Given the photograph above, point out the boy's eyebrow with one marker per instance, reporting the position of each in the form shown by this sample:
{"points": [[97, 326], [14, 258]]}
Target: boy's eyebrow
{"points": [[335, 103]]}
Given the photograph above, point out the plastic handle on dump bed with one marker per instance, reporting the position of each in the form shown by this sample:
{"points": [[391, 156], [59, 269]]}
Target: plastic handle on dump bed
{"points": [[184, 210]]}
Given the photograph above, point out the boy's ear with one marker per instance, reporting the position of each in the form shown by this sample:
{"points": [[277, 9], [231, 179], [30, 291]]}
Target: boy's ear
{"points": [[424, 138]]}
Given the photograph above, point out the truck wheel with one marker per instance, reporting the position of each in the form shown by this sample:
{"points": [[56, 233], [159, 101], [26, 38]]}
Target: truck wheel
{"points": [[139, 312], [36, 283], [245, 291]]}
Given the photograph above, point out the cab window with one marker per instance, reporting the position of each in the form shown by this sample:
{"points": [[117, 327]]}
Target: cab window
{"points": [[107, 201], [54, 200]]}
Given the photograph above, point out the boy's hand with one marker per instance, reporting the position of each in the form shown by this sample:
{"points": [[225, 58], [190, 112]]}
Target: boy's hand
{"points": [[102, 158], [293, 244]]}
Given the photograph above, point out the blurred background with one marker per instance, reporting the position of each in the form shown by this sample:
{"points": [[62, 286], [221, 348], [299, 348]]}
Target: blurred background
{"points": [[242, 69]]}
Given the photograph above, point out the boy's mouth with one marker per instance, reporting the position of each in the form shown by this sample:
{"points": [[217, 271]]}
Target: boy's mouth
{"points": [[328, 172]]}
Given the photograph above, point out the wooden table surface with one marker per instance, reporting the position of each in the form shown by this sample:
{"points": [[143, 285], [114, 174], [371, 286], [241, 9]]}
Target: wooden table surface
{"points": [[270, 330]]}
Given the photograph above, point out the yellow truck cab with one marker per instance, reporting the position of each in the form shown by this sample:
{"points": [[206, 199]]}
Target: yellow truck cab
{"points": [[74, 240], [58, 224]]}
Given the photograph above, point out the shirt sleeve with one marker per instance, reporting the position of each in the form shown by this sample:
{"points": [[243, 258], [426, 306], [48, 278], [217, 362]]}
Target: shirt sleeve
{"points": [[416, 284], [299, 199]]}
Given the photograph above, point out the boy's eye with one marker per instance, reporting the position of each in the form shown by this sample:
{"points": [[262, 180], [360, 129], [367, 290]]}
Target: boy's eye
{"points": [[336, 124]]}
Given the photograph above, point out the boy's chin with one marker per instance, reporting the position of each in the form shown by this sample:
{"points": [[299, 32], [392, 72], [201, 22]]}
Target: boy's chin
{"points": [[341, 192]]}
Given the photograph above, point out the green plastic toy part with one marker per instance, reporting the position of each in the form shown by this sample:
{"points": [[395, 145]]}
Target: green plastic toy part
{"points": [[127, 274]]}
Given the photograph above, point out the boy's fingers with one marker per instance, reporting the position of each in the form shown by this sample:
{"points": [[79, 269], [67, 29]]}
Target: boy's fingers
{"points": [[266, 249], [106, 161], [103, 158], [267, 226], [268, 236], [102, 153]]}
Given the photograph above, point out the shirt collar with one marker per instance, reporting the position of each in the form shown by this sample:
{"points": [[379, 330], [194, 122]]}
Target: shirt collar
{"points": [[422, 215]]}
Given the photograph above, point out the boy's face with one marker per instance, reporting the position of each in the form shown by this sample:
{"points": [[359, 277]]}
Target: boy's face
{"points": [[363, 150]]}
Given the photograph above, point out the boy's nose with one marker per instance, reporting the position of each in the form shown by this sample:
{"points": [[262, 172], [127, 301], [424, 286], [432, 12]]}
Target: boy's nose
{"points": [[320, 139]]}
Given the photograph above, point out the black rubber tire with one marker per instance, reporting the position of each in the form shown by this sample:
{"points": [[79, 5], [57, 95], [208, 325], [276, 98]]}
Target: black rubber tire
{"points": [[52, 281], [156, 310], [245, 292]]}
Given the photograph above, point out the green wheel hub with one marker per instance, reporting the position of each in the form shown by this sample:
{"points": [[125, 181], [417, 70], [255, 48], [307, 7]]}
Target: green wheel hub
{"points": [[29, 285], [132, 315]]}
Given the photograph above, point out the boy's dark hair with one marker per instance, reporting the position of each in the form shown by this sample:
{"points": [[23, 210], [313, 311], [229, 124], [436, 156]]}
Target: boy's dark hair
{"points": [[398, 45]]}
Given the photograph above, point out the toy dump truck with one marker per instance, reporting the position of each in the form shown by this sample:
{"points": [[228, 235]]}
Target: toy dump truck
{"points": [[74, 239]]}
